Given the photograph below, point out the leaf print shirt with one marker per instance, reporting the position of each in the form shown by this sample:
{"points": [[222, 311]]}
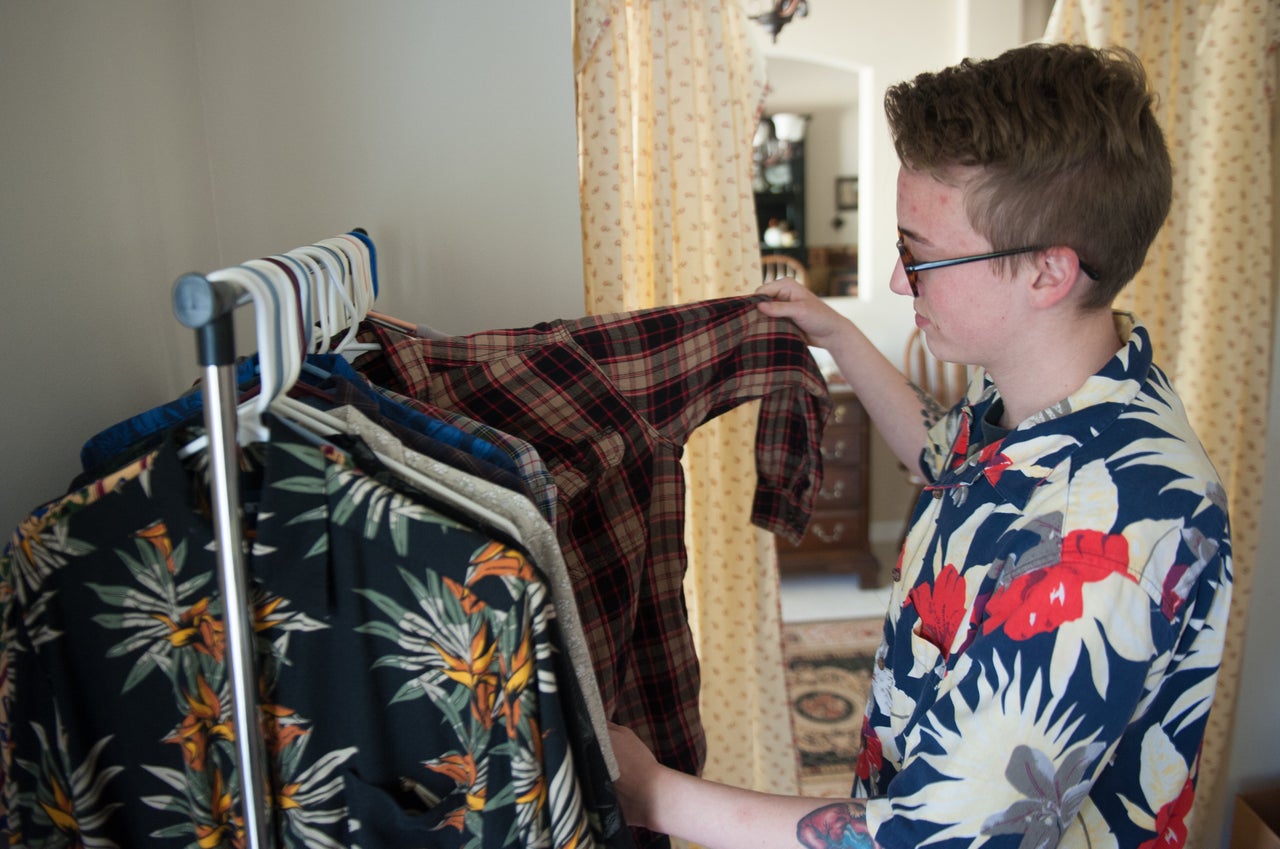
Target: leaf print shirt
{"points": [[411, 685], [1053, 639]]}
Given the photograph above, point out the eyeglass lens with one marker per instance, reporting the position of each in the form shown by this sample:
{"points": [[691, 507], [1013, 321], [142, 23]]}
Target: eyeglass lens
{"points": [[908, 260]]}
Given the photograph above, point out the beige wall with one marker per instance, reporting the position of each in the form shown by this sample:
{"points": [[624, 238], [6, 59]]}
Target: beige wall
{"points": [[446, 129], [142, 139], [106, 198]]}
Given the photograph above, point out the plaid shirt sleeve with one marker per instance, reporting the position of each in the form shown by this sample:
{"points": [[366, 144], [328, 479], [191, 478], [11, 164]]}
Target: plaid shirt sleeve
{"points": [[682, 366]]}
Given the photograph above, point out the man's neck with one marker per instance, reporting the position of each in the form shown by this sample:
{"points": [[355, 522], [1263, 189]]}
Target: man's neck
{"points": [[1053, 363]]}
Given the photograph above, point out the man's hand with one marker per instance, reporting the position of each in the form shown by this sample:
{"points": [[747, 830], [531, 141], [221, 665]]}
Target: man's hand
{"points": [[821, 325], [640, 772]]}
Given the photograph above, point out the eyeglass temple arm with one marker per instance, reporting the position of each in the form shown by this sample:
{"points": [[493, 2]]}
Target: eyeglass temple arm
{"points": [[943, 263], [960, 260]]}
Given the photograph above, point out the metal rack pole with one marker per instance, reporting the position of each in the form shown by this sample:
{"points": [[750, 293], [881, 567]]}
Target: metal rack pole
{"points": [[207, 307]]}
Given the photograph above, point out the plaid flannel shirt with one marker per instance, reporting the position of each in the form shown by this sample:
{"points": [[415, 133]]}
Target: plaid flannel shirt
{"points": [[609, 402]]}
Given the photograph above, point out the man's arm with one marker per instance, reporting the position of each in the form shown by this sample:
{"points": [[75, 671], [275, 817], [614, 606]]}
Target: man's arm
{"points": [[902, 412], [721, 817]]}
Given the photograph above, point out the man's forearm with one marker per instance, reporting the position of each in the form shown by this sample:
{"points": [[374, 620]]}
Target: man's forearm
{"points": [[901, 412], [717, 816]]}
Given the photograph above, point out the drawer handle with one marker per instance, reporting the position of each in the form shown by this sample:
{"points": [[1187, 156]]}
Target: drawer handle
{"points": [[833, 535], [836, 492], [839, 414], [834, 452]]}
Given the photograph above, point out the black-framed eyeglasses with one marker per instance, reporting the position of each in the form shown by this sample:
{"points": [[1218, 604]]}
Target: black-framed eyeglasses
{"points": [[913, 268]]}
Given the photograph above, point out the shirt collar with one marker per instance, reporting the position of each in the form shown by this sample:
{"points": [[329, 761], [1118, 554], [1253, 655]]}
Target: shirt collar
{"points": [[1017, 464]]}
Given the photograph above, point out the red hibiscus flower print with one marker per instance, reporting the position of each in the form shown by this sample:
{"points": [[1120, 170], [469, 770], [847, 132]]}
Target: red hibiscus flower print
{"points": [[872, 752], [1171, 821], [941, 606], [1171, 600], [1039, 601], [993, 462], [960, 450]]}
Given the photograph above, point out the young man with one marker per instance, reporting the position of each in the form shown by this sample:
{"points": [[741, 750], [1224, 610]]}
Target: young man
{"points": [[1052, 644]]}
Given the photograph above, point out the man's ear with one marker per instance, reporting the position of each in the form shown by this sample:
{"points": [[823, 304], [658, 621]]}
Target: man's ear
{"points": [[1058, 276]]}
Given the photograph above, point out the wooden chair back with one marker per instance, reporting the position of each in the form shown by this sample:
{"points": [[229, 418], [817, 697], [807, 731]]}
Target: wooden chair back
{"points": [[946, 382], [773, 266]]}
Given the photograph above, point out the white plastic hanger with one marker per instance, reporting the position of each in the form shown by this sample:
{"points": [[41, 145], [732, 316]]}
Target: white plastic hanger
{"points": [[326, 289], [358, 289], [276, 320], [337, 295], [304, 288], [329, 282], [289, 335], [271, 374]]}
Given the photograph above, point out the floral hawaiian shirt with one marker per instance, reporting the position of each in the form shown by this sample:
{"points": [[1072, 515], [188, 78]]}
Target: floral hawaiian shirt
{"points": [[410, 680], [1053, 639]]}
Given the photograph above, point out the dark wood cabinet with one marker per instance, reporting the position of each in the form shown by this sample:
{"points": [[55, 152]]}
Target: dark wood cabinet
{"points": [[838, 537], [779, 195]]}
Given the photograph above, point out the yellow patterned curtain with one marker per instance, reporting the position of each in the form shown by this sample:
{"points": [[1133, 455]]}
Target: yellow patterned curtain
{"points": [[1206, 290], [668, 97]]}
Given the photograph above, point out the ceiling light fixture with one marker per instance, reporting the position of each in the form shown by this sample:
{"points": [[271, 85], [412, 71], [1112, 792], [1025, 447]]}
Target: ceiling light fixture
{"points": [[780, 15]]}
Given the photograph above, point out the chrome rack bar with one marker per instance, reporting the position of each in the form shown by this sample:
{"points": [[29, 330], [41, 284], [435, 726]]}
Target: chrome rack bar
{"points": [[207, 307]]}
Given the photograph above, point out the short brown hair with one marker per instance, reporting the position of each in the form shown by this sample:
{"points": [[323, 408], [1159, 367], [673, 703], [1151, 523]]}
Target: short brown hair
{"points": [[1067, 145]]}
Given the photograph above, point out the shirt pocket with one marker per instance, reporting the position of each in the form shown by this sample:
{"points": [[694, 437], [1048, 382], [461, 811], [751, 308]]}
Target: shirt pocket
{"points": [[594, 460]]}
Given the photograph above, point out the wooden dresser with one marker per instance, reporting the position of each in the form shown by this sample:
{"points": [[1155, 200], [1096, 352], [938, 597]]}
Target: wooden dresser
{"points": [[838, 539]]}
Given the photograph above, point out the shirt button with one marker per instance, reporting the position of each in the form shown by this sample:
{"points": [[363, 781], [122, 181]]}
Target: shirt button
{"points": [[937, 493]]}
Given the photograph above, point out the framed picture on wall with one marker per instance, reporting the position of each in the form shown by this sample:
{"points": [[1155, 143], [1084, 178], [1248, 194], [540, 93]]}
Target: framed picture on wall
{"points": [[846, 193]]}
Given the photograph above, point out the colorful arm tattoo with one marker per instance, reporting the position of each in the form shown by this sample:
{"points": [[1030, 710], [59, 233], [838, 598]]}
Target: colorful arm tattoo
{"points": [[842, 824]]}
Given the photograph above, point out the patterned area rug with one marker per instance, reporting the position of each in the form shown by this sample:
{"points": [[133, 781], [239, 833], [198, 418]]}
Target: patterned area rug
{"points": [[828, 671]]}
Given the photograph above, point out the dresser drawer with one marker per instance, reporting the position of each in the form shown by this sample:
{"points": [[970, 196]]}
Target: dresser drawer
{"points": [[843, 446], [831, 530], [846, 410], [841, 485], [837, 539]]}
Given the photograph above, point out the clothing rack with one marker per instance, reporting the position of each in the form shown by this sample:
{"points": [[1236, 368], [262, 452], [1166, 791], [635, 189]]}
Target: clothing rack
{"points": [[476, 518], [207, 303], [207, 306]]}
